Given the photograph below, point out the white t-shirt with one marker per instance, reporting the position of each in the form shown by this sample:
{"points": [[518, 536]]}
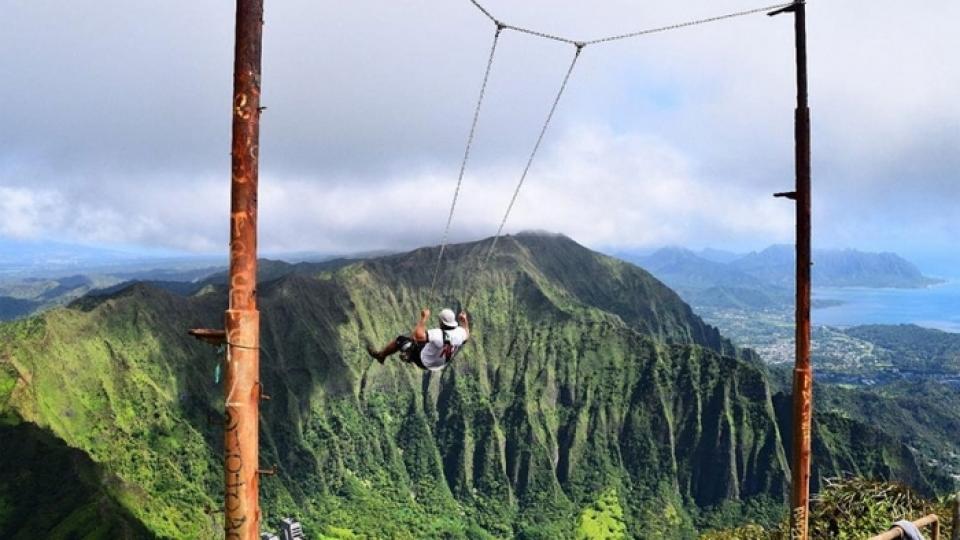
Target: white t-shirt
{"points": [[435, 356]]}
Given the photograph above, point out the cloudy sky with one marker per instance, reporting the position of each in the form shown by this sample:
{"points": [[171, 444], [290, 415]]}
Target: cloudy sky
{"points": [[116, 124]]}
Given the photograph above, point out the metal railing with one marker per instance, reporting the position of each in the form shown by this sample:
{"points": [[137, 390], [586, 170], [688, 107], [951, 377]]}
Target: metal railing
{"points": [[896, 532]]}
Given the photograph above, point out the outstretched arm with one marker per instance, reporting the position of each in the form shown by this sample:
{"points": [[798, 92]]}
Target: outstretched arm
{"points": [[420, 330], [464, 322]]}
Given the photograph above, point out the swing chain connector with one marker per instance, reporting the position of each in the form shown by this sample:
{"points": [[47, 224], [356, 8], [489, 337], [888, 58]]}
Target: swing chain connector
{"points": [[579, 45]]}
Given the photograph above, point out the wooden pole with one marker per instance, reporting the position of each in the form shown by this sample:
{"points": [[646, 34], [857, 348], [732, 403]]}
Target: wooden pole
{"points": [[242, 319], [955, 526], [802, 372]]}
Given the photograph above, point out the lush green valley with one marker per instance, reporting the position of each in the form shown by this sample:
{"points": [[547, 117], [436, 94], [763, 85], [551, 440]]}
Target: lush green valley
{"points": [[591, 399]]}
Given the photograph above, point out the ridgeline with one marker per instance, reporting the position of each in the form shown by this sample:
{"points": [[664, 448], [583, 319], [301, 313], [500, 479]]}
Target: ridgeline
{"points": [[592, 398]]}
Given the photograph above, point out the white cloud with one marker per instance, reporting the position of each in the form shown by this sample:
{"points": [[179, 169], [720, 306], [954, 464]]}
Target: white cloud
{"points": [[25, 213], [599, 188], [117, 125]]}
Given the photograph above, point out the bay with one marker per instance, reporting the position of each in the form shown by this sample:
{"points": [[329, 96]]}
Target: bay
{"points": [[933, 307]]}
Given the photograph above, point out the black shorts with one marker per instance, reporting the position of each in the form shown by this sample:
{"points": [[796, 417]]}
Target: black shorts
{"points": [[410, 350]]}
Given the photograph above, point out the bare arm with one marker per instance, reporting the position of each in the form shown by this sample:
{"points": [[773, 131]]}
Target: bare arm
{"points": [[464, 322], [420, 330]]}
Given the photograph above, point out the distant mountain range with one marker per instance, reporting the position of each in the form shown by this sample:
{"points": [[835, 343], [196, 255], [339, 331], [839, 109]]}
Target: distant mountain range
{"points": [[591, 393], [38, 275], [21, 297], [765, 279], [835, 268], [20, 259]]}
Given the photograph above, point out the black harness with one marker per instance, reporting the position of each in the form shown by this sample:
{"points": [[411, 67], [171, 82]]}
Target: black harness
{"points": [[410, 350]]}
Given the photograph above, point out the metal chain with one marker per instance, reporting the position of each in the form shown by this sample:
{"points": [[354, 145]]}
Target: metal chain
{"points": [[466, 157], [485, 12], [639, 33], [541, 34], [482, 262], [689, 23], [536, 148]]}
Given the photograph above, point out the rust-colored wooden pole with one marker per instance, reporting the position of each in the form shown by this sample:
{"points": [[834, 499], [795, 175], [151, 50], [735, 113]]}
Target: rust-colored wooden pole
{"points": [[802, 373], [242, 320]]}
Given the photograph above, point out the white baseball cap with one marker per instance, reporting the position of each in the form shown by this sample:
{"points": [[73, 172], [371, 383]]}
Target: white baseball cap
{"points": [[448, 318]]}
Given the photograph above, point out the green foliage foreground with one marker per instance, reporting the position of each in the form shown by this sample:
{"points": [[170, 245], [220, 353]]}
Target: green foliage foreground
{"points": [[852, 508]]}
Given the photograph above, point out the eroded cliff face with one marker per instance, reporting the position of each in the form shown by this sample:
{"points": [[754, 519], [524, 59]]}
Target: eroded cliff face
{"points": [[590, 396]]}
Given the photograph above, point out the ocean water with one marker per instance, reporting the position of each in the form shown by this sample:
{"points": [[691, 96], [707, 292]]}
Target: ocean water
{"points": [[934, 307]]}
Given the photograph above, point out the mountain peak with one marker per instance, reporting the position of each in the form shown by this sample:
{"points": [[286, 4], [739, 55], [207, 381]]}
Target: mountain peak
{"points": [[675, 252]]}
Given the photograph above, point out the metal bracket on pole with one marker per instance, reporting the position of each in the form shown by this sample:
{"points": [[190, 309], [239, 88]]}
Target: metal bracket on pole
{"points": [[211, 336], [267, 472], [789, 9], [786, 9], [792, 195]]}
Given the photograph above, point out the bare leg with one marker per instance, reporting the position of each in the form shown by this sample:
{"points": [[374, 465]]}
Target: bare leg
{"points": [[382, 355], [419, 334]]}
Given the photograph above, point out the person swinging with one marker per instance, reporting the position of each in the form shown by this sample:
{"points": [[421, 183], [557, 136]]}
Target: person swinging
{"points": [[429, 349]]}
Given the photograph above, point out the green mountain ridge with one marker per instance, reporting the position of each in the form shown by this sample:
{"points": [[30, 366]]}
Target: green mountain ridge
{"points": [[25, 296], [591, 395]]}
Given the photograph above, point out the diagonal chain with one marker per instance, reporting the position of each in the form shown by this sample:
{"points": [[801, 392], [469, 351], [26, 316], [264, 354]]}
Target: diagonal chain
{"points": [[466, 157], [482, 262], [541, 34], [630, 35], [686, 24]]}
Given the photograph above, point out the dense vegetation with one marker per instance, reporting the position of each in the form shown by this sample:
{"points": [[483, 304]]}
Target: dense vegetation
{"points": [[908, 347], [925, 414], [592, 399], [60, 497], [851, 509]]}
